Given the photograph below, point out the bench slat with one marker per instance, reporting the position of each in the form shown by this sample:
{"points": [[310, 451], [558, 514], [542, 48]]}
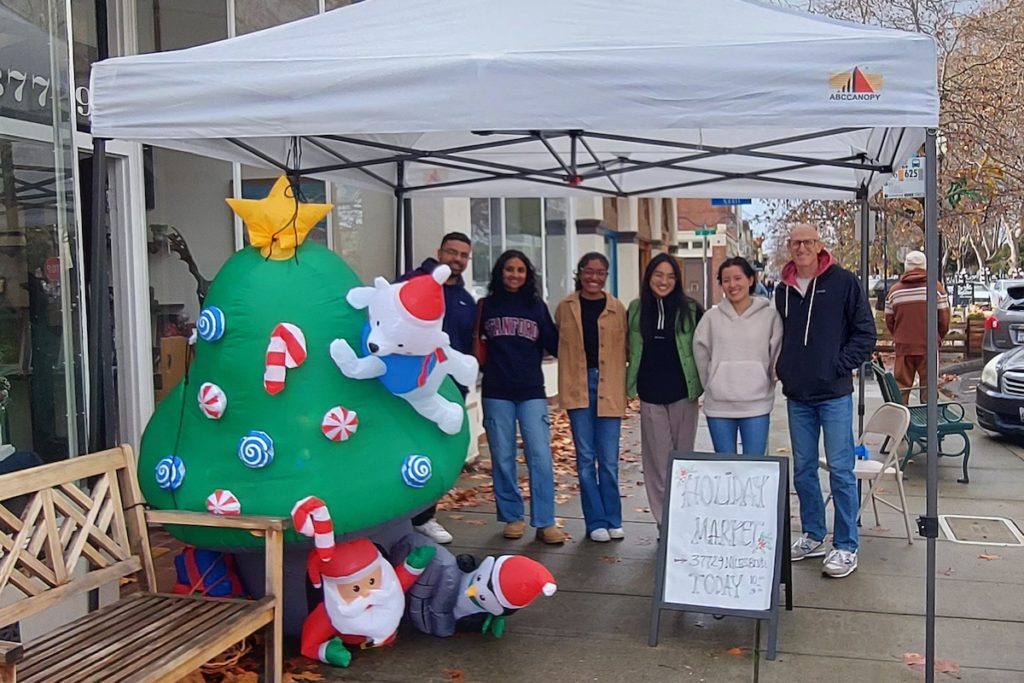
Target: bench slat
{"points": [[37, 603], [51, 651], [102, 649], [179, 662], [192, 631]]}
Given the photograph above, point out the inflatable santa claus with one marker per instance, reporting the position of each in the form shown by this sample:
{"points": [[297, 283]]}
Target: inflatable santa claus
{"points": [[364, 599], [497, 587]]}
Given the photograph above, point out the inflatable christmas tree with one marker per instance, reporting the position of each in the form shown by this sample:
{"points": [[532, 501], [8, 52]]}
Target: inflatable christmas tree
{"points": [[264, 418]]}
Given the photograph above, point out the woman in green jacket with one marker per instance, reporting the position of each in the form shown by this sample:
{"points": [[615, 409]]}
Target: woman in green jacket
{"points": [[662, 371]]}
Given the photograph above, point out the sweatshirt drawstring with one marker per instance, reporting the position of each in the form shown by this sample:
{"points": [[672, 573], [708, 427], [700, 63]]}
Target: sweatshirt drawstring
{"points": [[810, 309], [661, 315], [785, 293]]}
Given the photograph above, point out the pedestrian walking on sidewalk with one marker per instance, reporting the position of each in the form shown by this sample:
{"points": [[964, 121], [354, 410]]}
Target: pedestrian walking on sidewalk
{"points": [[514, 330], [592, 389], [828, 332], [735, 346], [459, 323], [906, 316], [662, 371]]}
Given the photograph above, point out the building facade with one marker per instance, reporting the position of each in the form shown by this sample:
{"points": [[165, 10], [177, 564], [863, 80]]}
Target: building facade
{"points": [[168, 229]]}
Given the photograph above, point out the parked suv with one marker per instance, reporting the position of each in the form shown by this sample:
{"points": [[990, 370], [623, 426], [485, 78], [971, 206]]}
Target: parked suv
{"points": [[1000, 393], [1004, 329]]}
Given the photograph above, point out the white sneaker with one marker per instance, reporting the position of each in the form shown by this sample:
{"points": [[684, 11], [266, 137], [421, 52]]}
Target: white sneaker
{"points": [[805, 547], [433, 530], [617, 533], [839, 563], [600, 535]]}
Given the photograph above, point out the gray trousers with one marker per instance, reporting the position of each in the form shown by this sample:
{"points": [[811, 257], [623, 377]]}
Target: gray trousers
{"points": [[663, 429]]}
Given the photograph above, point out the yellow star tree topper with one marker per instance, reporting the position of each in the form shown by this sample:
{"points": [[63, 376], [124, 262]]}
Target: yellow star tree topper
{"points": [[278, 223]]}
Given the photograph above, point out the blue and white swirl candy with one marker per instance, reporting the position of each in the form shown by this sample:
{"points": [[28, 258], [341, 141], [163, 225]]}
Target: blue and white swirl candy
{"points": [[170, 472], [416, 471], [211, 324], [256, 449]]}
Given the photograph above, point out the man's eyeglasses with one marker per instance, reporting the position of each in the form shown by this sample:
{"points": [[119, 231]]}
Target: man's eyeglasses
{"points": [[590, 272], [455, 253], [807, 244]]}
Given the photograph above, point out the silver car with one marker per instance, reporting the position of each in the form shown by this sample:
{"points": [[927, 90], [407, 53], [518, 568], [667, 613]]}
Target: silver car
{"points": [[1004, 329]]}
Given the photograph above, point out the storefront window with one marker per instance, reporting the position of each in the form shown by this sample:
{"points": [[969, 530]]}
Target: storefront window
{"points": [[180, 24], [485, 219], [39, 307], [523, 232], [558, 275], [256, 15], [86, 52]]}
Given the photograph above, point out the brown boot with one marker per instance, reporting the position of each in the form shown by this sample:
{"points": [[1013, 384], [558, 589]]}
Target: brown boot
{"points": [[551, 535], [514, 530]]}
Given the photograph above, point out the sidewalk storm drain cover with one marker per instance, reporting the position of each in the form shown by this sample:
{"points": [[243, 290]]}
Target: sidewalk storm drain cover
{"points": [[980, 530]]}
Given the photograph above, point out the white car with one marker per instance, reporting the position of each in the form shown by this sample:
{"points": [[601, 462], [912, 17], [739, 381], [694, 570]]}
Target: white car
{"points": [[997, 290]]}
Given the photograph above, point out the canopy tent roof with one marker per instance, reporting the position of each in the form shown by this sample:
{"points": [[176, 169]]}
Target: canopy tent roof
{"points": [[726, 98]]}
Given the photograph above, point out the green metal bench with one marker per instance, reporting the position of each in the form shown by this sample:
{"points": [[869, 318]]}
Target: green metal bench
{"points": [[951, 422]]}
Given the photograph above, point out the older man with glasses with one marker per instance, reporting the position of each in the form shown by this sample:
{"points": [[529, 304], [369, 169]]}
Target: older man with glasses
{"points": [[828, 332], [459, 323]]}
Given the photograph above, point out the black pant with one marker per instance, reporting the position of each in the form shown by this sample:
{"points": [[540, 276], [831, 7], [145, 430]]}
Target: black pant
{"points": [[430, 512]]}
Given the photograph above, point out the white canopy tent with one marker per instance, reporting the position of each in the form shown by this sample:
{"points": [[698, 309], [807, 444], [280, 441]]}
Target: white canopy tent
{"points": [[682, 98], [676, 97]]}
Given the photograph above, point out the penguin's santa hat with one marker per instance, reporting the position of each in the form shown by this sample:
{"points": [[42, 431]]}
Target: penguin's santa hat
{"points": [[518, 580], [422, 297]]}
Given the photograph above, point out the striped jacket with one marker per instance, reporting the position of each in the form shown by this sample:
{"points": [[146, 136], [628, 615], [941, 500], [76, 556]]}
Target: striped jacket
{"points": [[906, 313]]}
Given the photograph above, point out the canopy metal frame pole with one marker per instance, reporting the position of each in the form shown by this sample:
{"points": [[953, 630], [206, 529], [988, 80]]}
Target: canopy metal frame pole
{"points": [[570, 173], [929, 524], [865, 228], [402, 246], [101, 384]]}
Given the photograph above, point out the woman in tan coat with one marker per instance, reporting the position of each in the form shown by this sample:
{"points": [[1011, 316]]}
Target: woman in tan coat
{"points": [[592, 388]]}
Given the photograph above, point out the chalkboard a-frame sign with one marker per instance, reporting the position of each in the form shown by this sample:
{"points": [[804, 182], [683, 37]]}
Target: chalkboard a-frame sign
{"points": [[724, 545]]}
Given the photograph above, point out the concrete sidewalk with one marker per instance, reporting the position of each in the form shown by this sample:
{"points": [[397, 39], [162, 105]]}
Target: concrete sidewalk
{"points": [[853, 629]]}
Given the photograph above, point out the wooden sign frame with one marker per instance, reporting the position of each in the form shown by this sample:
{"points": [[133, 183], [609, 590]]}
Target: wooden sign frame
{"points": [[783, 570]]}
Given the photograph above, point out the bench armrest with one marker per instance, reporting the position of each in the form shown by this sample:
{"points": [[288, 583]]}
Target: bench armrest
{"points": [[10, 653], [947, 411], [252, 522]]}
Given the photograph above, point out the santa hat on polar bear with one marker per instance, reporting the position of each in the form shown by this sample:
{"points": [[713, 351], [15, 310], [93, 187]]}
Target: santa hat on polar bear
{"points": [[422, 296]]}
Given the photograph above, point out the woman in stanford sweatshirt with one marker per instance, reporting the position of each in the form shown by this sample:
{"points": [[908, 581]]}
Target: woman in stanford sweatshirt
{"points": [[736, 345], [516, 328]]}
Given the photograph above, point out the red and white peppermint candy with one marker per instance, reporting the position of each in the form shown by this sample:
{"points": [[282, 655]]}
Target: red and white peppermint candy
{"points": [[223, 502], [212, 400], [339, 423], [312, 518], [287, 349]]}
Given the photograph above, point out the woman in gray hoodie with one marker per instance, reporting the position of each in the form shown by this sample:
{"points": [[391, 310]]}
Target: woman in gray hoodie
{"points": [[735, 348]]}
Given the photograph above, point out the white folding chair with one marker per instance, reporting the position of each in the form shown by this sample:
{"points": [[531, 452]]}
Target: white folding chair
{"points": [[882, 436]]}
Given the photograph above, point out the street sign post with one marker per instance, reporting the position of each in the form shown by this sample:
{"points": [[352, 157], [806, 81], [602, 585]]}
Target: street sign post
{"points": [[704, 233]]}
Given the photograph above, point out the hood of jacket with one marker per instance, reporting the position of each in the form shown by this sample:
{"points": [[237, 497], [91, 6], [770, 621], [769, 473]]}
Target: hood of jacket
{"points": [[825, 261], [915, 276], [756, 304]]}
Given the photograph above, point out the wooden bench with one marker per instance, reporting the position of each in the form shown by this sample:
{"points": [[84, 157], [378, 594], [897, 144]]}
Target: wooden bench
{"points": [[951, 422], [66, 526]]}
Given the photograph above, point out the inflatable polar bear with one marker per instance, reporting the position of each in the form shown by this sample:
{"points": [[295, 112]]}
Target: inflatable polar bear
{"points": [[405, 348]]}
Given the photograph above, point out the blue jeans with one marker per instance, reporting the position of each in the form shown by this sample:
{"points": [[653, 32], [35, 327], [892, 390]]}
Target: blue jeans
{"points": [[500, 419], [752, 430], [807, 420], [597, 461]]}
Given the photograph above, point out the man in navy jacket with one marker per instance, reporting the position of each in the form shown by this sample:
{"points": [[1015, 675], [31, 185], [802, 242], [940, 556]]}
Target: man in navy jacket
{"points": [[459, 323], [828, 332]]}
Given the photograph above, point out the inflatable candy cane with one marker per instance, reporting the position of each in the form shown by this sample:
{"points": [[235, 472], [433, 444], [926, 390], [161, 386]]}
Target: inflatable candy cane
{"points": [[312, 518], [287, 349]]}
